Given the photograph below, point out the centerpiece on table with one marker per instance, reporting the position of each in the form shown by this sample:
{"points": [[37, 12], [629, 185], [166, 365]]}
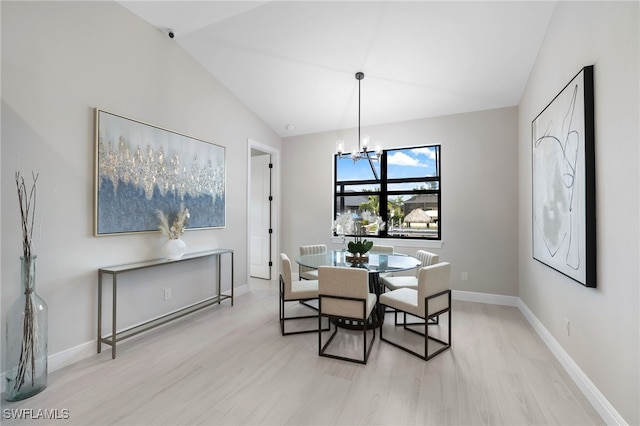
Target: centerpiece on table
{"points": [[359, 246], [26, 346], [358, 226], [174, 248]]}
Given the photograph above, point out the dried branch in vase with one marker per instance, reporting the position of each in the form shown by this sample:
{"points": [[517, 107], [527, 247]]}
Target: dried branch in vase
{"points": [[27, 204]]}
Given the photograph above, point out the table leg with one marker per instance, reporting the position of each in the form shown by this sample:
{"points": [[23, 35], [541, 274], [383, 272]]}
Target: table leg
{"points": [[232, 283], [374, 284], [113, 317], [219, 263], [99, 311]]}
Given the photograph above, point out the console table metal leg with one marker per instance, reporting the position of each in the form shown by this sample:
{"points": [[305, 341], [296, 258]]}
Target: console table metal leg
{"points": [[232, 283], [113, 318], [99, 311], [218, 266]]}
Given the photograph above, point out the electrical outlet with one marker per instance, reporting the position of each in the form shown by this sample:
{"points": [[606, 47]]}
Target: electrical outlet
{"points": [[567, 327], [167, 293], [464, 276]]}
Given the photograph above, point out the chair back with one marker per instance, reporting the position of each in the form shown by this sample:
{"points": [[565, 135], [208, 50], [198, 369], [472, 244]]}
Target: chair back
{"points": [[382, 249], [313, 249], [343, 282], [426, 259], [434, 279], [310, 273], [285, 274]]}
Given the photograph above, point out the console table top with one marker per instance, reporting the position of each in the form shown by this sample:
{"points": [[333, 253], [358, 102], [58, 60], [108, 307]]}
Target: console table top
{"points": [[155, 262]]}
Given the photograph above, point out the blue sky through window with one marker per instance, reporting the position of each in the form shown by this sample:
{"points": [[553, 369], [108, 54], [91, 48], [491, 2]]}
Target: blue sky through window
{"points": [[360, 170], [401, 163], [411, 162]]}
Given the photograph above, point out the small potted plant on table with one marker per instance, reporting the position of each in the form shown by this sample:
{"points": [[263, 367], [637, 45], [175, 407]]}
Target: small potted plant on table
{"points": [[358, 247]]}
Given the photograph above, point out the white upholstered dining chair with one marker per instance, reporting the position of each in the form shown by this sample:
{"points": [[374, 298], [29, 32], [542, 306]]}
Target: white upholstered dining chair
{"points": [[295, 291], [431, 299], [402, 281], [344, 296]]}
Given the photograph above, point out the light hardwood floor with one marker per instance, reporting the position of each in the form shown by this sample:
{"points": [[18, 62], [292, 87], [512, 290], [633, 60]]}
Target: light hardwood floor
{"points": [[231, 366]]}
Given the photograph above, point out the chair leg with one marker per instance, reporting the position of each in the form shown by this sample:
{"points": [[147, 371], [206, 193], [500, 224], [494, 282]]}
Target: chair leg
{"points": [[321, 347], [364, 341], [309, 305], [284, 318], [281, 309], [356, 322], [433, 320], [446, 344], [367, 346], [365, 354]]}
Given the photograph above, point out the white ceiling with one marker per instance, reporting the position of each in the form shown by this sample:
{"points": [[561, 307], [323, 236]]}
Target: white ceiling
{"points": [[293, 62]]}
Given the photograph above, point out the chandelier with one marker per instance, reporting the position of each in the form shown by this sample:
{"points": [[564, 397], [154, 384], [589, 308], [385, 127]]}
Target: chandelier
{"points": [[362, 151]]}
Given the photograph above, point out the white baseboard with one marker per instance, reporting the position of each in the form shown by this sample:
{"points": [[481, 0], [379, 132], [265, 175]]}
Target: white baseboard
{"points": [[492, 299], [64, 358], [237, 291], [85, 350], [590, 391]]}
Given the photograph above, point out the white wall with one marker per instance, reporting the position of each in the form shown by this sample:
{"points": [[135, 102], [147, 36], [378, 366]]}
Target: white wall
{"points": [[604, 335], [479, 192], [60, 60]]}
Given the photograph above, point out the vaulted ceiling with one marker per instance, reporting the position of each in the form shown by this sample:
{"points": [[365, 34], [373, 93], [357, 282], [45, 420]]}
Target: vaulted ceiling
{"points": [[293, 62]]}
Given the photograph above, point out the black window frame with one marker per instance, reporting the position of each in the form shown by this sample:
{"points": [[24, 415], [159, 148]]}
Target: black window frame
{"points": [[384, 194]]}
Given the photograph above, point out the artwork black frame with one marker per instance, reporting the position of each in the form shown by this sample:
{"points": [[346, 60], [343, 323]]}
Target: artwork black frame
{"points": [[563, 182], [141, 168]]}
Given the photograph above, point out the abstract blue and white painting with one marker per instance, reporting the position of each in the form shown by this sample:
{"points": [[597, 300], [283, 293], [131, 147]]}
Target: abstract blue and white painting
{"points": [[141, 168]]}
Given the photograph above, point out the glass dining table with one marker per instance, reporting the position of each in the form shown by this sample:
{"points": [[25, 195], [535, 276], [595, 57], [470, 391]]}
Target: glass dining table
{"points": [[378, 263]]}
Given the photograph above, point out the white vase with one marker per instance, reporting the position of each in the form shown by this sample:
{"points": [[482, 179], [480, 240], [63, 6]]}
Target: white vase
{"points": [[174, 249]]}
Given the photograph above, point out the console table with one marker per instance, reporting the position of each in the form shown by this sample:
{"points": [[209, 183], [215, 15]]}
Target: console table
{"points": [[114, 271]]}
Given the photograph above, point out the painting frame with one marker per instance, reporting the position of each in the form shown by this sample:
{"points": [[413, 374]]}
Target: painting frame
{"points": [[142, 169], [564, 182]]}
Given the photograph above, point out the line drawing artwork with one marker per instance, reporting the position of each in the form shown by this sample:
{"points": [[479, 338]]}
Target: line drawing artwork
{"points": [[555, 162], [563, 182]]}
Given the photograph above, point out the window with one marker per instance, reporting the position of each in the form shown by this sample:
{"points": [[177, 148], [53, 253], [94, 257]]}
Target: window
{"points": [[403, 188]]}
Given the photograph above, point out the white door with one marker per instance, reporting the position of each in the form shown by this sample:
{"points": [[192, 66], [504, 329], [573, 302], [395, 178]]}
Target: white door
{"points": [[260, 217]]}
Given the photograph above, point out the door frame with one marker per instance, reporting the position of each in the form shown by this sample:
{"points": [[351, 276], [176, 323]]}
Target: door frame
{"points": [[275, 205]]}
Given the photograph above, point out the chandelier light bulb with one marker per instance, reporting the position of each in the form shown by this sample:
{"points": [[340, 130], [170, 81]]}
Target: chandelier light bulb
{"points": [[340, 146], [365, 142]]}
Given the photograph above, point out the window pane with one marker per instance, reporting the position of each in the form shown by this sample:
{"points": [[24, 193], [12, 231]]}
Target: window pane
{"points": [[374, 187], [412, 186], [357, 203], [415, 216], [360, 170], [412, 162], [423, 201]]}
